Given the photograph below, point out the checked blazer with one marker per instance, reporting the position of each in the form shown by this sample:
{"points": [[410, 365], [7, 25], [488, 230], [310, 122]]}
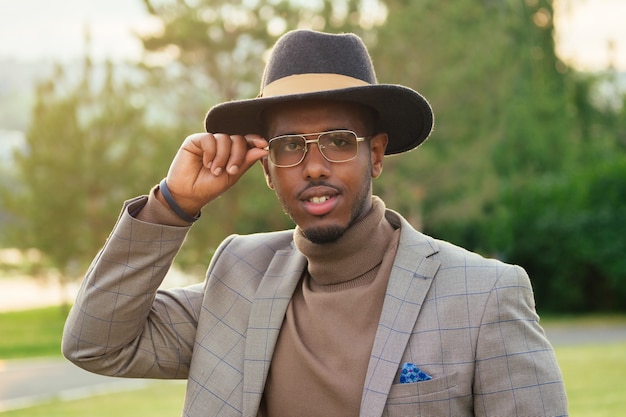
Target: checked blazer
{"points": [[467, 321]]}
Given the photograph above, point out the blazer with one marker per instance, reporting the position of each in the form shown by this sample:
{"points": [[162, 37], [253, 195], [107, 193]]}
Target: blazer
{"points": [[467, 321]]}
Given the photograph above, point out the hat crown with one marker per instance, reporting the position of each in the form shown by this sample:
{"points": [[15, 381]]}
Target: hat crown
{"points": [[310, 52], [309, 65]]}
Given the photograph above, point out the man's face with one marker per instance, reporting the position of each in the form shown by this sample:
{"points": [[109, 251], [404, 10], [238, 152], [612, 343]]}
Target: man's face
{"points": [[325, 198]]}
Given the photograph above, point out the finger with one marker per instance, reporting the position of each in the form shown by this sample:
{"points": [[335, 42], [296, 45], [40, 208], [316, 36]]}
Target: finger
{"points": [[189, 156], [255, 150], [209, 147], [222, 153], [238, 152], [256, 141]]}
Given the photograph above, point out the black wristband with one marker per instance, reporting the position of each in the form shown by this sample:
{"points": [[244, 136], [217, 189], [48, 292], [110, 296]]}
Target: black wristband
{"points": [[174, 205]]}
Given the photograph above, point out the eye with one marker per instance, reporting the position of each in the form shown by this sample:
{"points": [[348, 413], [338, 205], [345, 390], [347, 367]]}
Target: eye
{"points": [[294, 144], [339, 140]]}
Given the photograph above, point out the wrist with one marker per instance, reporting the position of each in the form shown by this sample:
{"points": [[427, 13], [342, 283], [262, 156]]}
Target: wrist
{"points": [[165, 196]]}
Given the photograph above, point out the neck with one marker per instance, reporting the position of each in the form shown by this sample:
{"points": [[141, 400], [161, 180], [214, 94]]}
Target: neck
{"points": [[359, 251]]}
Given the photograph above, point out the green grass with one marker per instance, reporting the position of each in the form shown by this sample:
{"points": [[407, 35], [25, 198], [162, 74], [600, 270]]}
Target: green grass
{"points": [[594, 374], [161, 399], [31, 333], [594, 379], [586, 320]]}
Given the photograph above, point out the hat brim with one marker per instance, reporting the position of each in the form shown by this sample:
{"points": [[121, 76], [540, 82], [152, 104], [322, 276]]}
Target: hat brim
{"points": [[404, 114]]}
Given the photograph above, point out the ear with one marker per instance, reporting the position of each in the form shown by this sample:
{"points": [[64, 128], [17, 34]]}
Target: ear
{"points": [[266, 171], [378, 145]]}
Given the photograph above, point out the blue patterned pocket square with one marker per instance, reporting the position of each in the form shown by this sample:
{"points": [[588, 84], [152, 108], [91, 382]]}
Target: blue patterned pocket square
{"points": [[411, 373]]}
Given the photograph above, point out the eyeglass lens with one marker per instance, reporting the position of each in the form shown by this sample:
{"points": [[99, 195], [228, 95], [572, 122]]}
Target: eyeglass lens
{"points": [[335, 146]]}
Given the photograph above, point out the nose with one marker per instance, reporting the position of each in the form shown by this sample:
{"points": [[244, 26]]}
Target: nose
{"points": [[314, 164]]}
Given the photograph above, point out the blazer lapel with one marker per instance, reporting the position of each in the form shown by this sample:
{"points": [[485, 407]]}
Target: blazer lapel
{"points": [[409, 282], [266, 318]]}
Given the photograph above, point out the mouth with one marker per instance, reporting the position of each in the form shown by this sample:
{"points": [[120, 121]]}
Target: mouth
{"points": [[319, 200]]}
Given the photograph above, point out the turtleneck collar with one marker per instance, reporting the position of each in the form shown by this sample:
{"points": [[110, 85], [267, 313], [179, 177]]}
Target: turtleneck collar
{"points": [[359, 251]]}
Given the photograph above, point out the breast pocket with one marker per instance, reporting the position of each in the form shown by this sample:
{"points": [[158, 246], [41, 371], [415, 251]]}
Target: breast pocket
{"points": [[425, 398]]}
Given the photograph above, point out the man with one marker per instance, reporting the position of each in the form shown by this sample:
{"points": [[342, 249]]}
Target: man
{"points": [[353, 313]]}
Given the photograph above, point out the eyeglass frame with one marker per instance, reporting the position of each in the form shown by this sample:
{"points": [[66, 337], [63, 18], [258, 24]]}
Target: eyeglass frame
{"points": [[316, 140]]}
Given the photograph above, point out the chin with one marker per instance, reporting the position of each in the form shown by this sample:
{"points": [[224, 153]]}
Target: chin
{"points": [[324, 234]]}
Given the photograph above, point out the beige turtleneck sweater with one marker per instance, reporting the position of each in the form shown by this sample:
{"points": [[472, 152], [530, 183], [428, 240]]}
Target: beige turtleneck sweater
{"points": [[323, 350]]}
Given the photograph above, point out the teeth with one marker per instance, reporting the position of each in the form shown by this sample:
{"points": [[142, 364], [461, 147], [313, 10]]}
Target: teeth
{"points": [[318, 200]]}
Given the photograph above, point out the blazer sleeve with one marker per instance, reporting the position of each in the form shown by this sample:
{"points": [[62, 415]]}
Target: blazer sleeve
{"points": [[516, 372], [121, 323]]}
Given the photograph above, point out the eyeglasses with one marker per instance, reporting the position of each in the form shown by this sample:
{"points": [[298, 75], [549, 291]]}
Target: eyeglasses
{"points": [[336, 146]]}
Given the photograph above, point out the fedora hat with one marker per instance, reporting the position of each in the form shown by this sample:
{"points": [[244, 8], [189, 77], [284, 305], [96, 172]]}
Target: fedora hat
{"points": [[307, 65]]}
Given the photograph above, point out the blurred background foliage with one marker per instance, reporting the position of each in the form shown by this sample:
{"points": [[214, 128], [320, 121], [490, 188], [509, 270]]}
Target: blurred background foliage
{"points": [[527, 162]]}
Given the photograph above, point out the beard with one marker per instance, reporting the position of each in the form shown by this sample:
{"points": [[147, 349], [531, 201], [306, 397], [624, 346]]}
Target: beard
{"points": [[331, 233], [322, 235]]}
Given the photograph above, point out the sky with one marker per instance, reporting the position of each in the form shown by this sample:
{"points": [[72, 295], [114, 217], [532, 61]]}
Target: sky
{"points": [[33, 29], [584, 29], [54, 29]]}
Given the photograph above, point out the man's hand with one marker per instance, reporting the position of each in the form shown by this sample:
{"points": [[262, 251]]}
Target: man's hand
{"points": [[207, 165]]}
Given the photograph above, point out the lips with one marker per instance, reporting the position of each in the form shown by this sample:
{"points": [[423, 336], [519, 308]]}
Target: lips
{"points": [[319, 200]]}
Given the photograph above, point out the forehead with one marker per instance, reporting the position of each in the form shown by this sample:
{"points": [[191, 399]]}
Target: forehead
{"points": [[316, 116]]}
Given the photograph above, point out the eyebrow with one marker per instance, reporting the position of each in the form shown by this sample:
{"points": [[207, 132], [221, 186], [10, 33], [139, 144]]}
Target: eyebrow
{"points": [[314, 133]]}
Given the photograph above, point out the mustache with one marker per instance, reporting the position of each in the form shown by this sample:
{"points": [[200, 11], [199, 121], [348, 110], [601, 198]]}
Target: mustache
{"points": [[320, 183]]}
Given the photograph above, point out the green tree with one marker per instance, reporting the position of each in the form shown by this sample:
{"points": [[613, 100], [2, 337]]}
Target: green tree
{"points": [[211, 51], [520, 141], [569, 231], [87, 149], [499, 97]]}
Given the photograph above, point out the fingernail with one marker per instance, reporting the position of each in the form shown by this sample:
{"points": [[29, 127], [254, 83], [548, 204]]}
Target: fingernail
{"points": [[217, 171], [232, 170]]}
